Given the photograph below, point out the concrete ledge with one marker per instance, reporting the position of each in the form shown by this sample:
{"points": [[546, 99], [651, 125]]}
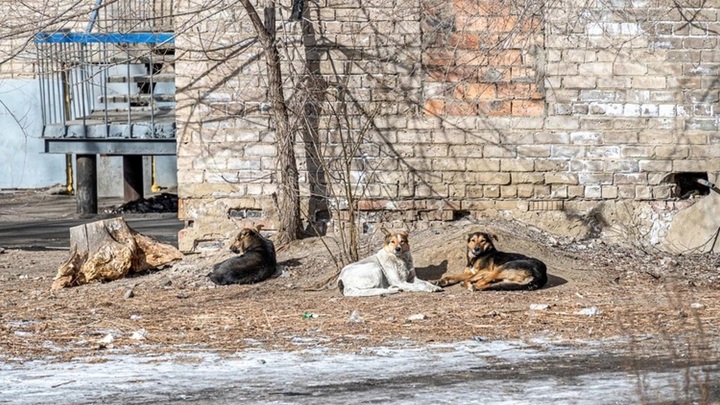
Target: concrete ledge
{"points": [[154, 147], [141, 130]]}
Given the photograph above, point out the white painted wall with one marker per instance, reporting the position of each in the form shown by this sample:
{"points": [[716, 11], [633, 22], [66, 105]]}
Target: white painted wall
{"points": [[23, 163]]}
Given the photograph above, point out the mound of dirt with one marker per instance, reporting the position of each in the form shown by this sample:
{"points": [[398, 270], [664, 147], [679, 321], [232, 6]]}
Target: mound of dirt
{"points": [[596, 290]]}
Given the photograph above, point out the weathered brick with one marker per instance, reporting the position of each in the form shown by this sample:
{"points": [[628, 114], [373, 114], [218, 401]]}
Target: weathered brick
{"points": [[595, 178], [621, 165], [671, 152], [260, 150], [537, 151], [561, 178], [525, 190], [528, 108], [575, 191], [494, 108], [493, 178], [593, 192], [508, 191], [527, 178], [483, 165], [643, 192], [435, 107], [558, 191], [609, 192], [491, 191], [497, 151], [517, 165], [541, 191], [562, 123], [552, 137], [448, 164], [630, 178]]}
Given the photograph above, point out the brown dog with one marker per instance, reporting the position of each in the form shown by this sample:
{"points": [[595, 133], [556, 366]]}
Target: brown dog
{"points": [[489, 269], [255, 263]]}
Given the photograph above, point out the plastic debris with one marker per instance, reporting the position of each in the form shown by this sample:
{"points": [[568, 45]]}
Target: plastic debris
{"points": [[591, 311], [139, 335], [355, 317]]}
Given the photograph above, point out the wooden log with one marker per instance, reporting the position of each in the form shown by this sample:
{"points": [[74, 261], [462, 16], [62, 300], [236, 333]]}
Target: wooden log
{"points": [[108, 250]]}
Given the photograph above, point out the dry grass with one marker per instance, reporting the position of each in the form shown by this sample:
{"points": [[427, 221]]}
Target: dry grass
{"points": [[180, 310]]}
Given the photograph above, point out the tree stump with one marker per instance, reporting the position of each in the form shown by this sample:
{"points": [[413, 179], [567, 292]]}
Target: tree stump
{"points": [[108, 250]]}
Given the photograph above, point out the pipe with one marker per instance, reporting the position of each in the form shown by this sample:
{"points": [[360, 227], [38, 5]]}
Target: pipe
{"points": [[155, 187]]}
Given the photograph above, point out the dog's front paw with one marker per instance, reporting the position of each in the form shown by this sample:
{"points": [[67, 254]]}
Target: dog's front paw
{"points": [[468, 285], [436, 288]]}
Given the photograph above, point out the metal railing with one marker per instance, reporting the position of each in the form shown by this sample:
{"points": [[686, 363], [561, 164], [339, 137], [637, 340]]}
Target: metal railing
{"points": [[132, 16], [105, 77]]}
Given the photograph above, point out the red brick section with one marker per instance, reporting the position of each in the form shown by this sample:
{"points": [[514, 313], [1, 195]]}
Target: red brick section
{"points": [[479, 47]]}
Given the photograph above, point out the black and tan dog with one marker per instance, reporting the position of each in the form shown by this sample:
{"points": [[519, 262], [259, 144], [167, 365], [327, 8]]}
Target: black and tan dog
{"points": [[255, 263], [489, 269]]}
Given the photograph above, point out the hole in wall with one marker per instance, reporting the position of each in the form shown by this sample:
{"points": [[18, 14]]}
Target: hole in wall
{"points": [[460, 214], [245, 213], [689, 184]]}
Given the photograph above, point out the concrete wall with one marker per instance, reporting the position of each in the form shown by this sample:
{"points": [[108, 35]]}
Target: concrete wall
{"points": [[22, 162], [474, 107]]}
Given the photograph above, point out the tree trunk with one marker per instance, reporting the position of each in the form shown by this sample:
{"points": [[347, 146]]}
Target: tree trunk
{"points": [[289, 194], [108, 250]]}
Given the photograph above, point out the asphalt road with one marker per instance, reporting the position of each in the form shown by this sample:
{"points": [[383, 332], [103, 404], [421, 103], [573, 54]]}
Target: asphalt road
{"points": [[55, 234], [36, 219]]}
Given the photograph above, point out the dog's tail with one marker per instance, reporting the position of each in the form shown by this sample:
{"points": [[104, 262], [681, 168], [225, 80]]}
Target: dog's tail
{"points": [[329, 283]]}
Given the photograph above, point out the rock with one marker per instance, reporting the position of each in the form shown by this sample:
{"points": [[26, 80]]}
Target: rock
{"points": [[129, 294], [135, 317], [416, 317], [697, 305], [539, 307]]}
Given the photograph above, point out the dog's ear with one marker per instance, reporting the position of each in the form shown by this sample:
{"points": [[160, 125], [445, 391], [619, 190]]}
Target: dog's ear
{"points": [[259, 227], [385, 232], [470, 236], [493, 236], [405, 233]]}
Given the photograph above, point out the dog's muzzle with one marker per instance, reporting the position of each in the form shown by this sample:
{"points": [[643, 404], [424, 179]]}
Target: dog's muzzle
{"points": [[478, 251]]}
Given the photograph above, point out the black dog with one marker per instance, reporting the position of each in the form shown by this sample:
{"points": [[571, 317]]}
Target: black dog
{"points": [[255, 263]]}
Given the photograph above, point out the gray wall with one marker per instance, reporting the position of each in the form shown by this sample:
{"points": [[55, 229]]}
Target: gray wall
{"points": [[23, 163]]}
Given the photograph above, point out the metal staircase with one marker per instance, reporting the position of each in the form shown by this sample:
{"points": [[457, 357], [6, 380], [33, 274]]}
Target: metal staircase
{"points": [[110, 89]]}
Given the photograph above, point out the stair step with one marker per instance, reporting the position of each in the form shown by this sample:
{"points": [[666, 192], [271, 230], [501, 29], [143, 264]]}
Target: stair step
{"points": [[142, 58], [137, 98], [157, 78]]}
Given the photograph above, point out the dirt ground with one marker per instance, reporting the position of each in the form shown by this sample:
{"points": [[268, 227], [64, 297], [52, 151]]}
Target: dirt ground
{"points": [[649, 301]]}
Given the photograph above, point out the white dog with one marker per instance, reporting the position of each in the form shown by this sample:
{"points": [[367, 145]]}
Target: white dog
{"points": [[389, 271]]}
